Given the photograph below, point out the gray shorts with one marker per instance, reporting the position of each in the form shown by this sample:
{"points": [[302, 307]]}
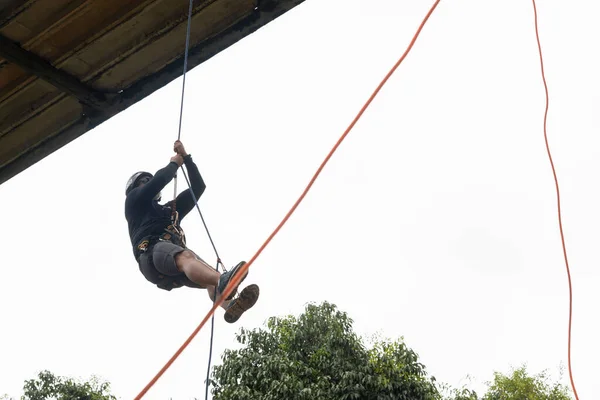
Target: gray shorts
{"points": [[158, 266]]}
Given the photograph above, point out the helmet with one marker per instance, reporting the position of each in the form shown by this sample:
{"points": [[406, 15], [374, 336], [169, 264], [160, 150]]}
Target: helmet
{"points": [[134, 179]]}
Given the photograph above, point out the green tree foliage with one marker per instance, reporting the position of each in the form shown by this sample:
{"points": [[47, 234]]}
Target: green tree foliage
{"points": [[450, 393], [317, 356], [519, 385], [48, 386]]}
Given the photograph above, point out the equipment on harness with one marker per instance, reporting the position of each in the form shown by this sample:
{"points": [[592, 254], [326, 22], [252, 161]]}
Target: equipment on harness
{"points": [[172, 234], [134, 180], [175, 235]]}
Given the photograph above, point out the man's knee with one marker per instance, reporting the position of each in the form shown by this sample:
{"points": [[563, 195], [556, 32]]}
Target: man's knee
{"points": [[165, 255], [183, 258]]}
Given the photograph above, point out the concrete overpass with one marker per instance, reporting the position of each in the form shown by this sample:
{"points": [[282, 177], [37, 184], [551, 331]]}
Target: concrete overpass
{"points": [[66, 66]]}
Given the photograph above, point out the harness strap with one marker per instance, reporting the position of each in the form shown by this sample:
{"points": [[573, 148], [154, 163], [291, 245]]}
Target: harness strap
{"points": [[174, 230], [172, 233]]}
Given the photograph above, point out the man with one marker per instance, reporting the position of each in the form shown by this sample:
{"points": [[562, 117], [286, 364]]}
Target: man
{"points": [[159, 244]]}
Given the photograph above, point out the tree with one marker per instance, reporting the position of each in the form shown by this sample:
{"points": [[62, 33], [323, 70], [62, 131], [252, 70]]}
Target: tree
{"points": [[48, 386], [450, 393], [317, 356], [520, 385]]}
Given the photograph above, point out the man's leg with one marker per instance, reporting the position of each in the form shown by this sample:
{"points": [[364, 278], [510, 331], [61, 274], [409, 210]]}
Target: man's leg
{"points": [[199, 272], [237, 306], [172, 260], [183, 261]]}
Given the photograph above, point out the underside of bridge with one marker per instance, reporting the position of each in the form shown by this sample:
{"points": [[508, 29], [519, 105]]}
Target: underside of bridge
{"points": [[66, 66]]}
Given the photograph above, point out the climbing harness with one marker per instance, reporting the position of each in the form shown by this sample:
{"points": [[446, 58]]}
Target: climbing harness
{"points": [[174, 234], [175, 231]]}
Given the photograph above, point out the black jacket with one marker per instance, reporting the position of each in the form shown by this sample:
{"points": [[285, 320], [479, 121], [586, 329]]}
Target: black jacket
{"points": [[146, 218]]}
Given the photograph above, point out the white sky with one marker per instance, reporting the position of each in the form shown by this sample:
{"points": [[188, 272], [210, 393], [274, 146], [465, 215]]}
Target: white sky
{"points": [[435, 220]]}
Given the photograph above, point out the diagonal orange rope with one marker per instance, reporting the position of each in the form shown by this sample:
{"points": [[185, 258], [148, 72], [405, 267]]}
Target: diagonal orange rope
{"points": [[562, 235], [235, 280]]}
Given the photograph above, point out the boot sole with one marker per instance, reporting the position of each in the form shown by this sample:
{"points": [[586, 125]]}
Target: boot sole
{"points": [[247, 299]]}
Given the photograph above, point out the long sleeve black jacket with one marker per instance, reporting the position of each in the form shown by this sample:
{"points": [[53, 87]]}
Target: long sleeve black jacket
{"points": [[146, 218]]}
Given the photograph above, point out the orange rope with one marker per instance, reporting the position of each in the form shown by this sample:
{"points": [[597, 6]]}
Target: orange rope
{"points": [[562, 235], [235, 280]]}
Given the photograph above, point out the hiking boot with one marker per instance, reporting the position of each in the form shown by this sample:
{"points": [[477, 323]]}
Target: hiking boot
{"points": [[226, 278], [248, 297]]}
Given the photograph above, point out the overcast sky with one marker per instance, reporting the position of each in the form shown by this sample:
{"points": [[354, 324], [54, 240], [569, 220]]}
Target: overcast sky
{"points": [[436, 219]]}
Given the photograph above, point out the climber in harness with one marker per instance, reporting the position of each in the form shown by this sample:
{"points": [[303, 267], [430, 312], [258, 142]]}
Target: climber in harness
{"points": [[159, 244]]}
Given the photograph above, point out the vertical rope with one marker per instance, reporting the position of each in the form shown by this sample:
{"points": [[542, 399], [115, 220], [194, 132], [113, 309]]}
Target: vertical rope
{"points": [[560, 224], [174, 218], [212, 322], [210, 346], [185, 64], [219, 261]]}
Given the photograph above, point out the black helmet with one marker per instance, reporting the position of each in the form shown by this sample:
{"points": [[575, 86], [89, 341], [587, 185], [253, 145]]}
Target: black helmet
{"points": [[133, 181]]}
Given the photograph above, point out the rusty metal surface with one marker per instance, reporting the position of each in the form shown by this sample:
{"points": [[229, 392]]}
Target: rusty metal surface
{"points": [[68, 65]]}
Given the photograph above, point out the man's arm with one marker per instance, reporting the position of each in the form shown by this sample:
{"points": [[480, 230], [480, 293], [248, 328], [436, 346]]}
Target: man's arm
{"points": [[162, 177], [185, 200]]}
